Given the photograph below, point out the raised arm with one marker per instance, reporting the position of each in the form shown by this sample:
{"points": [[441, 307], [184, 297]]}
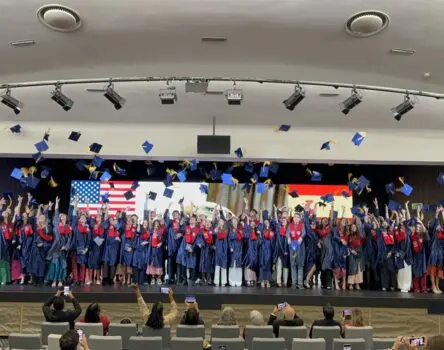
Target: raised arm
{"points": [[407, 210]]}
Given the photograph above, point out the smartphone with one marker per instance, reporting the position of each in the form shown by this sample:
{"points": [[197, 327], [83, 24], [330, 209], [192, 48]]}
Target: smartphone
{"points": [[80, 332], [347, 314], [164, 290], [190, 299], [65, 290], [417, 341], [346, 347], [282, 306]]}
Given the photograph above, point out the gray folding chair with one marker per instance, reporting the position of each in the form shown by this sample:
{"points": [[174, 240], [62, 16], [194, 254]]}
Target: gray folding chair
{"points": [[309, 343], [52, 328], [227, 343], [178, 343], [355, 344], [183, 331], [328, 333], [124, 330], [25, 341], [361, 332], [101, 342], [382, 343], [165, 333], [225, 331], [258, 332], [54, 341], [90, 329], [289, 333], [268, 343], [144, 343]]}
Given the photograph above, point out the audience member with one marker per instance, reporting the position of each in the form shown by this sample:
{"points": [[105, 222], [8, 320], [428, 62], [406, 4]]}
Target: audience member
{"points": [[358, 319], [328, 321], [156, 319], [256, 319], [191, 315], [435, 343], [71, 340], [126, 320], [57, 314], [93, 315], [290, 319], [432, 343], [227, 317]]}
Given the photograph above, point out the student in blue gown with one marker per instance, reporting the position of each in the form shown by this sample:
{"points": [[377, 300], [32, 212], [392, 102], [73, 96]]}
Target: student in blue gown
{"points": [[189, 241], [26, 229], [311, 245], [205, 241], [436, 258], [386, 254], [175, 227], [156, 263], [251, 236], [356, 257], [296, 244], [221, 253], [371, 227], [129, 243], [111, 250], [403, 249], [235, 243], [6, 237], [419, 238], [58, 254], [80, 244], [96, 246], [282, 251], [141, 254], [324, 231], [267, 241]]}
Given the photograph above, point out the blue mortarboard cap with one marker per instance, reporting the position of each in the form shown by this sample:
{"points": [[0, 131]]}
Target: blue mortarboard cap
{"points": [[168, 181], [119, 170], [274, 168], [80, 165], [135, 185], [293, 194], [363, 182], [105, 197], [316, 176], [16, 129], [32, 181], [41, 146], [284, 127], [358, 138], [440, 178], [407, 189], [17, 174], [246, 187], [152, 195], [294, 245], [357, 210], [393, 205], [181, 200], [216, 174], [97, 161], [203, 188], [34, 202], [328, 198], [106, 176], [147, 147], [238, 152], [326, 146], [95, 147], [129, 195], [390, 188], [227, 179], [168, 192], [254, 178], [249, 167], [46, 135], [38, 157], [193, 165], [45, 172], [264, 171], [345, 194], [260, 187], [353, 186], [74, 136], [182, 176]]}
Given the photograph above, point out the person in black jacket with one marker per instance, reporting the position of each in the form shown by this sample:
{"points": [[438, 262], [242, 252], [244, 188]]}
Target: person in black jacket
{"points": [[290, 319], [57, 314], [328, 321]]}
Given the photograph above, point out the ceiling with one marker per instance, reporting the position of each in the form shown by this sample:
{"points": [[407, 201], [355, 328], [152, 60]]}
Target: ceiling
{"points": [[285, 39]]}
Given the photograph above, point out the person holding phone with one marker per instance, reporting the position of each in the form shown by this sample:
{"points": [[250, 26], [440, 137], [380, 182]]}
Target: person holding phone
{"points": [[72, 339], [290, 318], [191, 315], [56, 313]]}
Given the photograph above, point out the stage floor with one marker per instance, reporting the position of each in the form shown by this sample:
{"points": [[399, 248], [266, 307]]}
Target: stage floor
{"points": [[213, 297]]}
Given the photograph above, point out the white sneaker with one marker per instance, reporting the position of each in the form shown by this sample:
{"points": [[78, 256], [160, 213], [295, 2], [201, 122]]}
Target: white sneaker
{"points": [[159, 281]]}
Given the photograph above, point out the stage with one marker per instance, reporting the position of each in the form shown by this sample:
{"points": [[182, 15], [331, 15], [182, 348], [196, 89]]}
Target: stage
{"points": [[212, 298]]}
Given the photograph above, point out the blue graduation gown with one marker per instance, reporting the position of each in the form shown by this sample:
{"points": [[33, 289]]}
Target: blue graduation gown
{"points": [[37, 261], [26, 243], [129, 241], [221, 255], [189, 252], [95, 253], [156, 252], [251, 254], [299, 252], [403, 251], [206, 264], [436, 257], [112, 246], [282, 249], [141, 251], [4, 247], [266, 248], [235, 246], [327, 252], [340, 251], [311, 244], [419, 266], [173, 240], [80, 241]]}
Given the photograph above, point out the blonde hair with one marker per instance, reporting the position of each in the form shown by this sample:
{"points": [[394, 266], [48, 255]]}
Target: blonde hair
{"points": [[256, 318], [358, 319], [227, 317], [289, 313]]}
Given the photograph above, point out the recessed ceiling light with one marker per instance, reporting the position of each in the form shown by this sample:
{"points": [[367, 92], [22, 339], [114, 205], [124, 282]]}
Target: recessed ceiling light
{"points": [[22, 43], [59, 18], [214, 39], [403, 51], [367, 23]]}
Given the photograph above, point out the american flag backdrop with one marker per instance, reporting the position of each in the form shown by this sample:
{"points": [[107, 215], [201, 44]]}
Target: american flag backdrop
{"points": [[93, 192]]}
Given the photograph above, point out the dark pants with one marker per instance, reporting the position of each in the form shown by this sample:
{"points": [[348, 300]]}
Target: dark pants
{"points": [[181, 273], [172, 267], [139, 276], [108, 274], [388, 278], [326, 278]]}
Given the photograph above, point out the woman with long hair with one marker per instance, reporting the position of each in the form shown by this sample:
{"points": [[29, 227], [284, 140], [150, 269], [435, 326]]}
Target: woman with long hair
{"points": [[93, 315], [111, 250], [311, 245], [227, 317], [325, 240], [25, 228], [436, 258], [235, 244], [341, 236], [141, 254], [96, 247], [129, 244], [205, 242], [266, 247], [403, 257], [356, 257], [251, 252], [155, 266], [221, 253], [282, 251], [6, 238]]}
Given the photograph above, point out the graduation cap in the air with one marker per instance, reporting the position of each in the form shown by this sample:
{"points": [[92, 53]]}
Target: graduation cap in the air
{"points": [[327, 145], [80, 165], [119, 170], [264, 171], [254, 178], [105, 197], [215, 174], [293, 194], [97, 161], [16, 129], [284, 127], [95, 147], [45, 172], [135, 185], [392, 205], [203, 188], [152, 195], [46, 135], [17, 174], [440, 178], [358, 138], [181, 200], [168, 193], [38, 157], [182, 176], [363, 183], [193, 164], [357, 210], [106, 176], [238, 152], [261, 187], [249, 167], [406, 189], [227, 179], [52, 183], [147, 147], [74, 136], [246, 187], [390, 188], [274, 168], [345, 194], [299, 208], [41, 146], [128, 195], [328, 198], [168, 180], [322, 204], [316, 176]]}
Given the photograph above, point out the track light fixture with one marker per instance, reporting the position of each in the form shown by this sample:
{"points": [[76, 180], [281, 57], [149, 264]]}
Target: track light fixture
{"points": [[351, 102], [168, 96], [12, 102], [62, 100], [234, 96], [112, 96], [403, 107], [296, 97]]}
